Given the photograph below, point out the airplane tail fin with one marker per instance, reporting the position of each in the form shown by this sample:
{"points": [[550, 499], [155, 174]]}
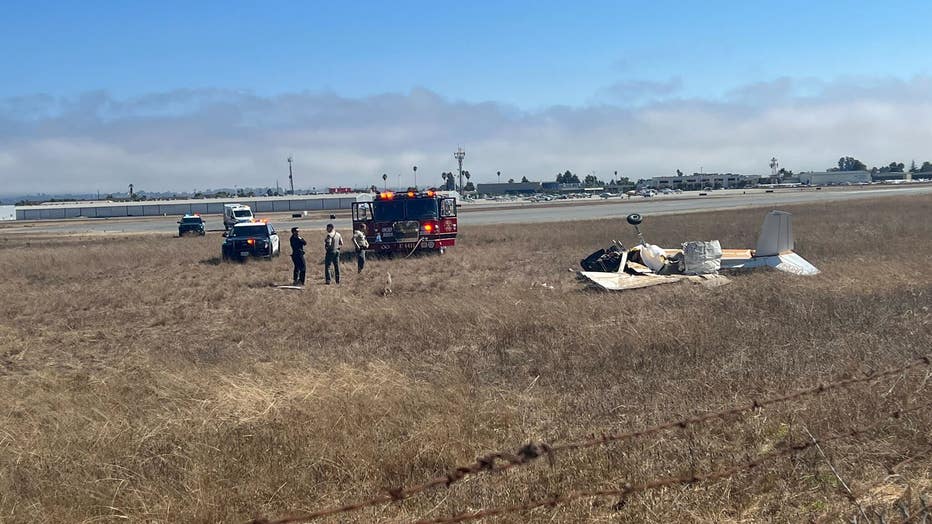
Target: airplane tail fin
{"points": [[776, 235], [775, 246]]}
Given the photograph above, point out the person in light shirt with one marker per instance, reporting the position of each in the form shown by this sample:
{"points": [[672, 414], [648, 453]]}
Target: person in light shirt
{"points": [[359, 240], [332, 244]]}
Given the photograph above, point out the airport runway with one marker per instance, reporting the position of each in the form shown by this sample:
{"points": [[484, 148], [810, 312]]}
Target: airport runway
{"points": [[507, 213]]}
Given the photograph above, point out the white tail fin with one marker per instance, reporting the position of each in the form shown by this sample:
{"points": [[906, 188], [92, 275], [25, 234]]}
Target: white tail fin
{"points": [[776, 235]]}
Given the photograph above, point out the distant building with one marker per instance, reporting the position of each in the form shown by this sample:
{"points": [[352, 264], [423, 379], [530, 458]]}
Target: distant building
{"points": [[829, 178], [700, 181], [888, 175], [339, 190], [206, 206], [514, 188], [560, 187]]}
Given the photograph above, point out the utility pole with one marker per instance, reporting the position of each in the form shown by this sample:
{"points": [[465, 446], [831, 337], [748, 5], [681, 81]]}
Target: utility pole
{"points": [[291, 174], [415, 178], [459, 155]]}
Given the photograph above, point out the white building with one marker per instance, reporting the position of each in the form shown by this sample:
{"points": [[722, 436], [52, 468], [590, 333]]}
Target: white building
{"points": [[207, 206], [701, 181], [829, 178]]}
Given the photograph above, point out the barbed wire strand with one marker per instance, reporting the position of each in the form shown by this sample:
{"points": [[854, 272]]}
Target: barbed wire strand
{"points": [[690, 478], [502, 461]]}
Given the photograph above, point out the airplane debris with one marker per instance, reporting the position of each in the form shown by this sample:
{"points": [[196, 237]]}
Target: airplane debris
{"points": [[616, 268]]}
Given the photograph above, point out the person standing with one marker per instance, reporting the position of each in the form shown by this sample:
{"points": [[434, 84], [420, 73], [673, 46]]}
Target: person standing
{"points": [[332, 244], [359, 240], [297, 256]]}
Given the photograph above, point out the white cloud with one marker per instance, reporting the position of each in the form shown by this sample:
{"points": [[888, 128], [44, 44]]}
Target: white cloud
{"points": [[189, 139], [635, 91]]}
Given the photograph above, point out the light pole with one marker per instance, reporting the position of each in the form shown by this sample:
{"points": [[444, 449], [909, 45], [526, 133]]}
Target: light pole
{"points": [[459, 155], [399, 181], [291, 174], [415, 177]]}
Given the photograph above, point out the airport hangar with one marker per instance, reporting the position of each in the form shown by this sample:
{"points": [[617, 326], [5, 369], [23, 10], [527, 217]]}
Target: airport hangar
{"points": [[206, 206]]}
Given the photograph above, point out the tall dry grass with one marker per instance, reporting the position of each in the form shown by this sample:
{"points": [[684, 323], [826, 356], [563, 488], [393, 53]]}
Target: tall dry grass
{"points": [[144, 380]]}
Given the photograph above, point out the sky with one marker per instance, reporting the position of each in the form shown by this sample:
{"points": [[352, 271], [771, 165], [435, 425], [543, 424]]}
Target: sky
{"points": [[172, 96]]}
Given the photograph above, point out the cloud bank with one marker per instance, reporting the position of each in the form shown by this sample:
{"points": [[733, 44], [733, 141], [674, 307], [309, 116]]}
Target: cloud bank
{"points": [[195, 139]]}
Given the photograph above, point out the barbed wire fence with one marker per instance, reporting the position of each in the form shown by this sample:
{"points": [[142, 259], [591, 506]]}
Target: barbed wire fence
{"points": [[691, 478], [531, 452]]}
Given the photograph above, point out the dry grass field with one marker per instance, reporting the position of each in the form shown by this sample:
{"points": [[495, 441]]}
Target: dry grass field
{"points": [[143, 380]]}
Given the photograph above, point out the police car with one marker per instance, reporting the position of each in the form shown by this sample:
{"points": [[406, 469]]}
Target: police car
{"points": [[250, 239], [191, 224]]}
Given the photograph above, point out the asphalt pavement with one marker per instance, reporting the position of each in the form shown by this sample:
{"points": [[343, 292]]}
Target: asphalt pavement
{"points": [[502, 213]]}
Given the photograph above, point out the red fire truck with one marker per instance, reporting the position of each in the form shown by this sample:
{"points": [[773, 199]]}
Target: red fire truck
{"points": [[407, 221]]}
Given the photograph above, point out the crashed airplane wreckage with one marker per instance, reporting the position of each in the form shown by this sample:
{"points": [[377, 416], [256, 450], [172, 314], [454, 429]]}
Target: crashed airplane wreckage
{"points": [[618, 269]]}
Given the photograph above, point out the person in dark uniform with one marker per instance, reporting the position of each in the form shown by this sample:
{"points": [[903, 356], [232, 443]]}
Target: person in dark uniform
{"points": [[297, 256]]}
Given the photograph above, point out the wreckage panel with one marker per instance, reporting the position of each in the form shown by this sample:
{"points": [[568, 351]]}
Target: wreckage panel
{"points": [[623, 282], [726, 253], [736, 253], [795, 264], [789, 263]]}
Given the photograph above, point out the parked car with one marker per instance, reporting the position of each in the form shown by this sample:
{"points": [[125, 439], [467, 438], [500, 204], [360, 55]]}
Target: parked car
{"points": [[191, 224], [250, 239]]}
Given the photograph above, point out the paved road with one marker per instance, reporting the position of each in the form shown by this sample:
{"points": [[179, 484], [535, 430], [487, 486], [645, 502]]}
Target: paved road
{"points": [[508, 214], [654, 206]]}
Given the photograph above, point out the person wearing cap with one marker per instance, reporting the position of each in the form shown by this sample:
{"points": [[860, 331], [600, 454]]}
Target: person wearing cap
{"points": [[332, 244], [297, 256], [359, 240]]}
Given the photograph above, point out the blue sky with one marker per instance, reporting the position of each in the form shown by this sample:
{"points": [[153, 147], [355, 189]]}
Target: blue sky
{"points": [[529, 54], [517, 64]]}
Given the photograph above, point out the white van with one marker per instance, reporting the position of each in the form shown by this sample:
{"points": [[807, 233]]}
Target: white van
{"points": [[236, 213]]}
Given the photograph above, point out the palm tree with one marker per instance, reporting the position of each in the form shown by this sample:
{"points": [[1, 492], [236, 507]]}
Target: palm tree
{"points": [[385, 179]]}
